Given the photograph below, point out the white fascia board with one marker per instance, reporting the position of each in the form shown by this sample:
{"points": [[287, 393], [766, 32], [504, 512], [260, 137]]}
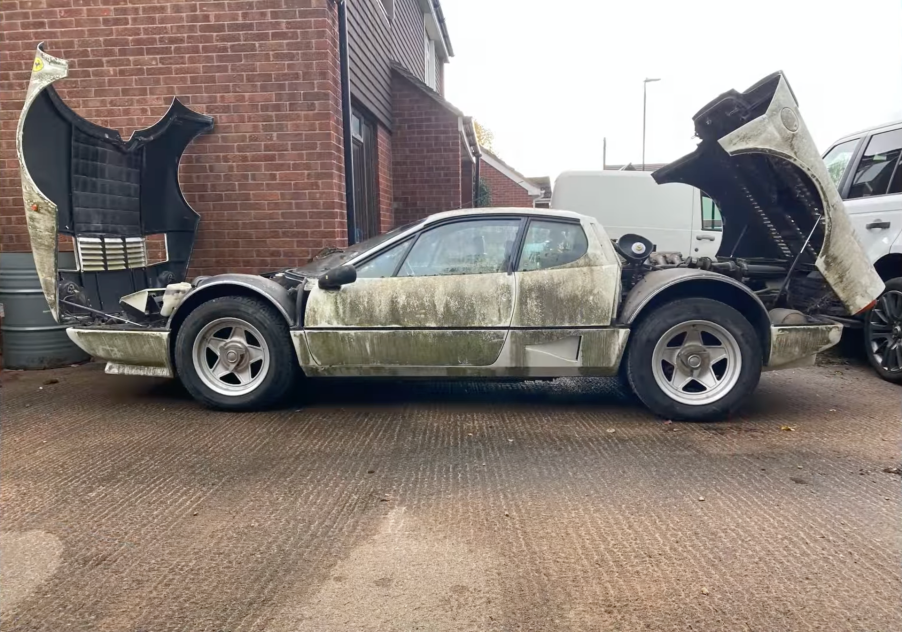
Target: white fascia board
{"points": [[433, 29]]}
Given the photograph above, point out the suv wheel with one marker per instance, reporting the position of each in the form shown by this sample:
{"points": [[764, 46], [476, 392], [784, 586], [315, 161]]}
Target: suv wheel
{"points": [[234, 353], [883, 333], [694, 359]]}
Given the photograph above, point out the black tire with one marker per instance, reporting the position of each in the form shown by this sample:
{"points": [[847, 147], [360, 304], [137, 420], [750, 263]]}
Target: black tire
{"points": [[872, 321], [282, 368], [650, 330]]}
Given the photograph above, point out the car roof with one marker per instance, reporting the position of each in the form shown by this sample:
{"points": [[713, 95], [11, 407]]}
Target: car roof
{"points": [[886, 127], [474, 212]]}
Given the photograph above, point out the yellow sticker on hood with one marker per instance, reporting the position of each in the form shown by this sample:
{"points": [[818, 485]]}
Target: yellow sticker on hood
{"points": [[38, 65]]}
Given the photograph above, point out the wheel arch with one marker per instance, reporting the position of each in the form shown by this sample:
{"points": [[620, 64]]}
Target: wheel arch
{"points": [[231, 285], [658, 288], [889, 266]]}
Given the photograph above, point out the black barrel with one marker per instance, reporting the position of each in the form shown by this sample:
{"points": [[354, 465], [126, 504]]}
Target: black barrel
{"points": [[31, 338]]}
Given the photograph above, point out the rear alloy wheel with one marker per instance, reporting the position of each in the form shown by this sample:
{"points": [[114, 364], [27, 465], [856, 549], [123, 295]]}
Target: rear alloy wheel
{"points": [[694, 359], [235, 353], [883, 333]]}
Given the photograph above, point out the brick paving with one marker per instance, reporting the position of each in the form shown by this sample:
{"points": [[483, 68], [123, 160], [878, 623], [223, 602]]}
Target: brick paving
{"points": [[436, 506]]}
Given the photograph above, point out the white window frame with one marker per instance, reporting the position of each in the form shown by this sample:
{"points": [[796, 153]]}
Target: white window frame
{"points": [[388, 8], [430, 75]]}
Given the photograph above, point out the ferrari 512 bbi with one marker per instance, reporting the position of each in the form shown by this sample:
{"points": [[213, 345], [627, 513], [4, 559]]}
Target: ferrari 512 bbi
{"points": [[483, 293]]}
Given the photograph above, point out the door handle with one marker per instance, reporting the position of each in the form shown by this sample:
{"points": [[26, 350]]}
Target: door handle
{"points": [[704, 238], [878, 224]]}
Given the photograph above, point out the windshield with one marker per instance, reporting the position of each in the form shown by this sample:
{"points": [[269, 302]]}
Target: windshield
{"points": [[837, 159], [337, 257]]}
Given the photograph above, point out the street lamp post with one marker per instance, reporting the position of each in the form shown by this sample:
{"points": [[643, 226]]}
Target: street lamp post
{"points": [[644, 100]]}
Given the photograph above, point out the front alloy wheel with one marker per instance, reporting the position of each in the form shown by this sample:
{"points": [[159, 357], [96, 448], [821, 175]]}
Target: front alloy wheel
{"points": [[235, 353], [231, 356], [883, 333]]}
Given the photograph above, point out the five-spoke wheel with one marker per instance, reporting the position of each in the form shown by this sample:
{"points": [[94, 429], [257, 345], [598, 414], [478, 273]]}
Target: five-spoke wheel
{"points": [[235, 353], [694, 358], [696, 361], [231, 356]]}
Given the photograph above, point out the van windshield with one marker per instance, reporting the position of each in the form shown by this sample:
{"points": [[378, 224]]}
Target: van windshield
{"points": [[837, 159]]}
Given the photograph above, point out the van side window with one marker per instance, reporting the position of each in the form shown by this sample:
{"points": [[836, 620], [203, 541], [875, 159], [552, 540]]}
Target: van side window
{"points": [[878, 166], [711, 219]]}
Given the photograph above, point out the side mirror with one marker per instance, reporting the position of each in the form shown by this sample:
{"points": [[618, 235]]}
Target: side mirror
{"points": [[336, 277]]}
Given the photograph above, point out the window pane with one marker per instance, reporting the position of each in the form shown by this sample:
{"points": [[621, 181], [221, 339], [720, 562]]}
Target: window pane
{"points": [[711, 219], [384, 265], [896, 185], [877, 164], [552, 244], [837, 159], [474, 247]]}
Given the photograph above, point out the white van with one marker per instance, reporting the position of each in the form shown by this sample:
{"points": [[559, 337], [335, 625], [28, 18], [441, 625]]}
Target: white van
{"points": [[675, 217], [867, 169]]}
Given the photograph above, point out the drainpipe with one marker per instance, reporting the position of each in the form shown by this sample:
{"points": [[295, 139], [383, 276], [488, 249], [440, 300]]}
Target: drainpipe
{"points": [[346, 118], [478, 155], [476, 180]]}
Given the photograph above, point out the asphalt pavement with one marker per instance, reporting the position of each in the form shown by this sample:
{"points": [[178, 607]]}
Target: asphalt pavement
{"points": [[436, 506]]}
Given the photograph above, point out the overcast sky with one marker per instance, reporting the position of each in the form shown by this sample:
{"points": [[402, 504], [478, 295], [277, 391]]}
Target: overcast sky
{"points": [[552, 79]]}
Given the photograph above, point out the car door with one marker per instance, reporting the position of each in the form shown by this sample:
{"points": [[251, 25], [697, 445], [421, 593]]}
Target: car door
{"points": [[873, 193], [707, 225], [568, 286], [439, 303]]}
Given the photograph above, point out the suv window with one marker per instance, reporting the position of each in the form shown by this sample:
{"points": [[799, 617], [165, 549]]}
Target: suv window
{"points": [[471, 247], [837, 159], [878, 165], [711, 219], [550, 244]]}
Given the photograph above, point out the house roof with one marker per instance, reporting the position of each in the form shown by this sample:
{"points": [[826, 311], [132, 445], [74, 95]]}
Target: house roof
{"points": [[467, 130], [632, 166], [419, 83], [510, 172]]}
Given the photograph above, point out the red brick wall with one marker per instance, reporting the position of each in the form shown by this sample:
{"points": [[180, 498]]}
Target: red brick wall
{"points": [[426, 157], [268, 182], [505, 192], [383, 178]]}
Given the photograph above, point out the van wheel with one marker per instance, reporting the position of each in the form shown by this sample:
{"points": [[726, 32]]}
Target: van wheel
{"points": [[883, 333], [235, 353], [694, 359]]}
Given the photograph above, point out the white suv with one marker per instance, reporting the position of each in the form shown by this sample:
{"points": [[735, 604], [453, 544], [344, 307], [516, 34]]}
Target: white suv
{"points": [[866, 169]]}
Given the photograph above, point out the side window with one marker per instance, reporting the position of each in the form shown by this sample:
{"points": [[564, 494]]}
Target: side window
{"points": [[877, 166], [468, 247], [837, 159], [550, 244], [711, 219], [383, 265]]}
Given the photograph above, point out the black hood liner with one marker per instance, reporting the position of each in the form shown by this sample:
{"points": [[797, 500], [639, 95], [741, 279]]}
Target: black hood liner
{"points": [[104, 186], [769, 205]]}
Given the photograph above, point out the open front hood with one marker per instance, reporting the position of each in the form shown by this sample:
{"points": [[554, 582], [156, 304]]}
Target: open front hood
{"points": [[108, 194], [757, 160]]}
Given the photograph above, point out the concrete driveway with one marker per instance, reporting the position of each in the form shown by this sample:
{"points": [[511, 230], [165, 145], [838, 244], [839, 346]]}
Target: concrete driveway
{"points": [[429, 506]]}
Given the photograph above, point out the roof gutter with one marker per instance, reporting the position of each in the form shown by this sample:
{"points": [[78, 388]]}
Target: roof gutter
{"points": [[437, 6], [435, 27]]}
